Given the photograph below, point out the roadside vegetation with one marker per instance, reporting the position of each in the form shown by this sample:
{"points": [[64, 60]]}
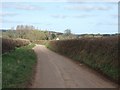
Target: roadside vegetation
{"points": [[18, 59], [28, 32], [17, 67], [9, 44], [99, 53], [42, 42]]}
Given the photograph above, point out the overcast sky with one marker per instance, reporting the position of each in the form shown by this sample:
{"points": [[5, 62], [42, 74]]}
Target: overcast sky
{"points": [[80, 17]]}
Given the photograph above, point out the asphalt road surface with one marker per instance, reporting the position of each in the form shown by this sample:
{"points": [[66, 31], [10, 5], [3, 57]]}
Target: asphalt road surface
{"points": [[56, 71]]}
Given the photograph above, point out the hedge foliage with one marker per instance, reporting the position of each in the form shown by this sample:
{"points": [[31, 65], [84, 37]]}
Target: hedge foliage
{"points": [[10, 44], [98, 53]]}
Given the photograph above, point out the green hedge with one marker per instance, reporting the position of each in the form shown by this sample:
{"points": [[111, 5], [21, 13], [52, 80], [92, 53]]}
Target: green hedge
{"points": [[10, 44], [98, 53]]}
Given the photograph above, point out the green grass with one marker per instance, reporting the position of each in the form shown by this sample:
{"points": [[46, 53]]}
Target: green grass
{"points": [[17, 67]]}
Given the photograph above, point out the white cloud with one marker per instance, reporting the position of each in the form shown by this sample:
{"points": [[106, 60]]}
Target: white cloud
{"points": [[0, 20], [8, 14], [83, 16], [86, 7], [10, 21], [34, 1], [22, 22], [101, 23], [60, 1], [92, 0], [21, 6], [59, 16]]}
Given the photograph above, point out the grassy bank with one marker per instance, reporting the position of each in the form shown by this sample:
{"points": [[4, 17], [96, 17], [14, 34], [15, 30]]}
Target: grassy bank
{"points": [[98, 53], [17, 67]]}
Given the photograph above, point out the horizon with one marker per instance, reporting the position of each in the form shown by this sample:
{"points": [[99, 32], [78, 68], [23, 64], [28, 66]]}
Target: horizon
{"points": [[71, 32], [79, 17]]}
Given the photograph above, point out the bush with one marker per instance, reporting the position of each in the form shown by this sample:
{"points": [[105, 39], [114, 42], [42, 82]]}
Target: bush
{"points": [[98, 53], [10, 44]]}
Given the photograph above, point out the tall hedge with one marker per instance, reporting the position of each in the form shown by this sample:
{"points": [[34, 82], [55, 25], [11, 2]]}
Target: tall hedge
{"points": [[98, 53], [10, 44]]}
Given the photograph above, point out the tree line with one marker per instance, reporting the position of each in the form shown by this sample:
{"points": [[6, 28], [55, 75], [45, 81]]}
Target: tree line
{"points": [[28, 32], [31, 33]]}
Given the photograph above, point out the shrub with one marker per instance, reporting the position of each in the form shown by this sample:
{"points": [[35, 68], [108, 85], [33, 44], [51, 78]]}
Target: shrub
{"points": [[98, 53], [10, 44]]}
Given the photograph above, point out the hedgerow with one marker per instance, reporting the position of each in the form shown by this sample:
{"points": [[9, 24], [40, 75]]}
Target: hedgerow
{"points": [[98, 53], [11, 44]]}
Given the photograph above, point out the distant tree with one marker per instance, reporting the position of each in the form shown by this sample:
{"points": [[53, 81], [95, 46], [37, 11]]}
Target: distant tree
{"points": [[67, 32], [26, 27], [29, 32], [24, 31], [68, 35], [10, 34], [46, 35], [18, 27], [52, 36], [32, 28]]}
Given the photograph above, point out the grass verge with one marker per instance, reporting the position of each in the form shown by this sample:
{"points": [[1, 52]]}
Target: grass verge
{"points": [[17, 67]]}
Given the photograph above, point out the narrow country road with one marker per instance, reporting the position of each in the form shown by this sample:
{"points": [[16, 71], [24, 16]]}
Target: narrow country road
{"points": [[56, 71]]}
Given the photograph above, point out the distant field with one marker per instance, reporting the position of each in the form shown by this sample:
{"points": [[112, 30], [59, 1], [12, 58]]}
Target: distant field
{"points": [[98, 53], [42, 42]]}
